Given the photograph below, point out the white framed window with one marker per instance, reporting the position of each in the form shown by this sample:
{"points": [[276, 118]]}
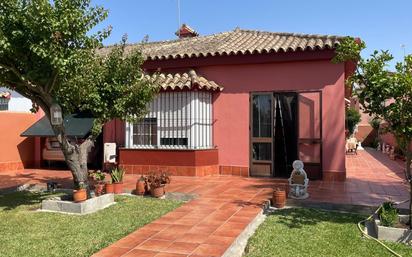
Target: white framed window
{"points": [[177, 120]]}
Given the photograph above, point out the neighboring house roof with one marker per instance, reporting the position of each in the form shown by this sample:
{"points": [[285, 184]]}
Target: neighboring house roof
{"points": [[188, 80], [76, 125], [236, 42]]}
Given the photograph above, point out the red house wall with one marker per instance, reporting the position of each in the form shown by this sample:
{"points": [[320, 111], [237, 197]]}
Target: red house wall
{"points": [[231, 106], [232, 115], [16, 152]]}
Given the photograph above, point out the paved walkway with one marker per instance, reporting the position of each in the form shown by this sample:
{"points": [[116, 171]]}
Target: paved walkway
{"points": [[208, 225]]}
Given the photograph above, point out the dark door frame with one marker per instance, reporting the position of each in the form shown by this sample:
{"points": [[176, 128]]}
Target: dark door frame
{"points": [[299, 140]]}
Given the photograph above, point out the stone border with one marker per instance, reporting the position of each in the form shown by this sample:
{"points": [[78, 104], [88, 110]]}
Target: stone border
{"points": [[237, 248], [399, 235], [89, 206]]}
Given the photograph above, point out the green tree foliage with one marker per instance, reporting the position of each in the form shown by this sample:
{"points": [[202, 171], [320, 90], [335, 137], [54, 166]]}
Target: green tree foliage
{"points": [[49, 55], [352, 118], [383, 94]]}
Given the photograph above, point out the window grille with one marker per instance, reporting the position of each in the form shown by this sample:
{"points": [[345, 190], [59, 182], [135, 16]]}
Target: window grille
{"points": [[174, 120], [4, 104]]}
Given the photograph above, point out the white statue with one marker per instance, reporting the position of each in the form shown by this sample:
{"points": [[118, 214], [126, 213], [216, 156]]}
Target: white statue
{"points": [[298, 181]]}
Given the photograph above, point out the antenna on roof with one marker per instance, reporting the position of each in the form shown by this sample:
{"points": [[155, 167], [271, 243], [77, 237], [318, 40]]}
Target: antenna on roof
{"points": [[178, 14]]}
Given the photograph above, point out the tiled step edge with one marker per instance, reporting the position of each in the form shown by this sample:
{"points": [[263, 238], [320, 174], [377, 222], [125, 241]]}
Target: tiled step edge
{"points": [[238, 246]]}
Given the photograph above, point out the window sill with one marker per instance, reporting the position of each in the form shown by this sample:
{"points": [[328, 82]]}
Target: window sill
{"points": [[167, 148]]}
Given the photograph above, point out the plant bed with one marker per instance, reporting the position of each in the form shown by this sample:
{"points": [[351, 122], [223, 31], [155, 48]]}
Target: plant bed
{"points": [[399, 232], [91, 205], [390, 226]]}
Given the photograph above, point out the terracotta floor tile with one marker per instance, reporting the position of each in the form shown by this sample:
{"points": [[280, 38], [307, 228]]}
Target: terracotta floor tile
{"points": [[154, 245], [240, 219], [182, 247], [168, 234], [210, 250], [144, 233], [111, 252], [227, 232], [193, 237], [140, 253], [156, 226], [220, 240], [129, 241], [171, 255], [187, 221], [166, 220]]}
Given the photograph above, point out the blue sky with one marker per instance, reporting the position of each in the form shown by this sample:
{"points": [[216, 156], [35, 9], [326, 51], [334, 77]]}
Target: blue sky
{"points": [[382, 24]]}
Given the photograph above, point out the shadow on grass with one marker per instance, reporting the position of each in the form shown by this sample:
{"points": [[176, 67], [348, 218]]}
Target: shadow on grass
{"points": [[300, 217], [11, 201]]}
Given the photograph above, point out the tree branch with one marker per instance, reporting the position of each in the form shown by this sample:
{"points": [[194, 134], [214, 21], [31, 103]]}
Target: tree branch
{"points": [[50, 86]]}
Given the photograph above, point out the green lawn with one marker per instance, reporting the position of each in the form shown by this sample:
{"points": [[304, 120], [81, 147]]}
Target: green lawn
{"points": [[24, 232], [308, 232]]}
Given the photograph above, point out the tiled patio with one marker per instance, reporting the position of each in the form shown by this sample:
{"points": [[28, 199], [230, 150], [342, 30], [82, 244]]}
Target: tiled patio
{"points": [[208, 225]]}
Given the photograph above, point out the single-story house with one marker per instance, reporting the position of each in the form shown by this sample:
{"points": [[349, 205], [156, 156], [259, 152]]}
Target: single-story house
{"points": [[241, 102]]}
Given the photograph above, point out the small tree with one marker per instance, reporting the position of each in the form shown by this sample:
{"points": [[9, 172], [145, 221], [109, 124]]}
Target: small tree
{"points": [[48, 54], [352, 118], [385, 95]]}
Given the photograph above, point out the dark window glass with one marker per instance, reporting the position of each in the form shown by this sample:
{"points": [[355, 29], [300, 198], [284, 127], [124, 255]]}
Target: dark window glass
{"points": [[262, 109], [262, 151], [4, 104], [173, 141], [145, 132]]}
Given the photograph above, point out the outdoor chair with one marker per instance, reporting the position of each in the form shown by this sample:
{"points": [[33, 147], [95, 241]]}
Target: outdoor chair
{"points": [[352, 145]]}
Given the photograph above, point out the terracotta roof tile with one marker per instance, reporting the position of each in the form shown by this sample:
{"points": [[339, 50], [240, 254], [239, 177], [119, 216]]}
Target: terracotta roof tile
{"points": [[188, 80], [234, 42]]}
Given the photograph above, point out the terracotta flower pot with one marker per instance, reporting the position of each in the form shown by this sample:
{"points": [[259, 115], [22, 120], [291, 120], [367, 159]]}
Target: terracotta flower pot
{"points": [[118, 188], [109, 188], [279, 198], [79, 195], [140, 187], [98, 189], [157, 191]]}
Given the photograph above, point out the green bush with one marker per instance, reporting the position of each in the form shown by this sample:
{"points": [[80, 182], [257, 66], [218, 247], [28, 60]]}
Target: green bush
{"points": [[375, 123], [388, 214], [352, 119]]}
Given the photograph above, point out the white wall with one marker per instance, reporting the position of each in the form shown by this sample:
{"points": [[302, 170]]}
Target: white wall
{"points": [[17, 102]]}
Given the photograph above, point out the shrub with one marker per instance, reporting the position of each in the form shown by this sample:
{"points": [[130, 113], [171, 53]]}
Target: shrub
{"points": [[375, 123], [352, 119], [117, 175], [388, 214]]}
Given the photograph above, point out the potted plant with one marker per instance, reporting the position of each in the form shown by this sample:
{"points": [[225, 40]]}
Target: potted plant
{"points": [[91, 180], [109, 188], [98, 178], [157, 183], [279, 197], [117, 178], [80, 194], [141, 185]]}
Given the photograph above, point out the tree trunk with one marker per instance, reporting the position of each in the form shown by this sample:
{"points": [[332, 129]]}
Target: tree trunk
{"points": [[76, 159]]}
